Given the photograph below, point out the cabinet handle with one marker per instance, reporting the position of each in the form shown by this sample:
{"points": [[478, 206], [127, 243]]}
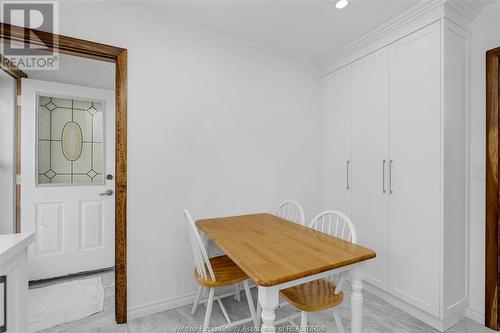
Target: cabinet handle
{"points": [[390, 176], [347, 175], [383, 176]]}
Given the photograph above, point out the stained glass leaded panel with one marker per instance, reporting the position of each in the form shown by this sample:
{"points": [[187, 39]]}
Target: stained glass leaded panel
{"points": [[70, 141]]}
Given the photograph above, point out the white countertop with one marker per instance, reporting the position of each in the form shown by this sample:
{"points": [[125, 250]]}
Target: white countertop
{"points": [[12, 244]]}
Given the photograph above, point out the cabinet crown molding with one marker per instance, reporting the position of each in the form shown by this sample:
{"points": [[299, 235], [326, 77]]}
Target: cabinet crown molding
{"points": [[461, 12]]}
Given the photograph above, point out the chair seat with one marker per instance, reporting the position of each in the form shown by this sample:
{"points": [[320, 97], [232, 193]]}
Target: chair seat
{"points": [[312, 296], [226, 273]]}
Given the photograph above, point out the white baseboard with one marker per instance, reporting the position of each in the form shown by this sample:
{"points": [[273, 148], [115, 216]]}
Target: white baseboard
{"points": [[159, 306], [475, 315], [172, 303]]}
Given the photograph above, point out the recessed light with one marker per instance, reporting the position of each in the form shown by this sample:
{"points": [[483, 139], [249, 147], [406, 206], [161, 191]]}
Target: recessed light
{"points": [[341, 4]]}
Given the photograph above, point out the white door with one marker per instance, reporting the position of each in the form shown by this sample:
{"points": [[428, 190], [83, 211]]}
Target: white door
{"points": [[68, 164], [370, 107], [337, 142], [415, 149]]}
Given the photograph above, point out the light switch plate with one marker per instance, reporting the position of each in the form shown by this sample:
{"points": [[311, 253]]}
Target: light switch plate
{"points": [[478, 172]]}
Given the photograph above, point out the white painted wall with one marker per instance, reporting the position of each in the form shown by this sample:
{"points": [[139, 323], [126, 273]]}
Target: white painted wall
{"points": [[215, 125], [485, 36]]}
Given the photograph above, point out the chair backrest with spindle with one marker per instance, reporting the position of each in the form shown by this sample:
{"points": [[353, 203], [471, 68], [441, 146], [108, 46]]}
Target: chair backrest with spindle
{"points": [[200, 256], [335, 223], [339, 225], [292, 211]]}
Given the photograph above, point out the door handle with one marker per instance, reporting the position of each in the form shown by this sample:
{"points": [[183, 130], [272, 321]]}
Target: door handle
{"points": [[383, 176], [107, 193], [390, 177], [347, 175]]}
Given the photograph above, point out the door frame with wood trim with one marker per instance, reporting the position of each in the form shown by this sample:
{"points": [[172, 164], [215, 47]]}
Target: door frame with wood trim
{"points": [[492, 254], [118, 56], [18, 75]]}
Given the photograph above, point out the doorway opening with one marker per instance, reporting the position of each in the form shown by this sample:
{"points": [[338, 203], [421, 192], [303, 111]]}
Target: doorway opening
{"points": [[10, 159], [71, 135]]}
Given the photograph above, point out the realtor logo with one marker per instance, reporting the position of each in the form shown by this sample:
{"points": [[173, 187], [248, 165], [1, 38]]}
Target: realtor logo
{"points": [[38, 54]]}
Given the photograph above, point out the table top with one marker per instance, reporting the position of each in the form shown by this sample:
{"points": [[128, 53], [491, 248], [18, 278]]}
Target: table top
{"points": [[271, 250]]}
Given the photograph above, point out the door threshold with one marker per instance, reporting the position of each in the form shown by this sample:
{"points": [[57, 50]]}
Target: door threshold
{"points": [[36, 283]]}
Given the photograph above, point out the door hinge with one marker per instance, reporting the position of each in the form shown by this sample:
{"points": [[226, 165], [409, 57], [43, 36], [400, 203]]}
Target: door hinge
{"points": [[18, 179], [18, 100]]}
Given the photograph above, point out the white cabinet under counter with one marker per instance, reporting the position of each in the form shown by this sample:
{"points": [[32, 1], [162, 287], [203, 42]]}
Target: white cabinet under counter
{"points": [[14, 282]]}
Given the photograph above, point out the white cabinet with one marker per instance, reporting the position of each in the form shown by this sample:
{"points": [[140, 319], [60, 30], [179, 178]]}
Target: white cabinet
{"points": [[14, 270], [415, 155], [370, 93], [408, 172], [337, 135]]}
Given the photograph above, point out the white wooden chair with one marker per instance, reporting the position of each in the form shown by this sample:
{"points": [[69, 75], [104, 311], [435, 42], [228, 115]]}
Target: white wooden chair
{"points": [[292, 211], [212, 273], [323, 294]]}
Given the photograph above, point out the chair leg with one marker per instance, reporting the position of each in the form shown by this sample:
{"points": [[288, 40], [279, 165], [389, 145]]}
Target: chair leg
{"points": [[196, 299], [237, 295], [259, 313], [303, 322], [338, 321], [250, 304], [208, 312]]}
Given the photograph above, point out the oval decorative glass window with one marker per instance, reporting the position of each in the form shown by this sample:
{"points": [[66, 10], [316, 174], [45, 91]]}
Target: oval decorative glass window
{"points": [[72, 141]]}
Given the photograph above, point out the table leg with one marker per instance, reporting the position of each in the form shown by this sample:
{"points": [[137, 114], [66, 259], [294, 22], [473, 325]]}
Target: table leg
{"points": [[356, 300], [268, 300]]}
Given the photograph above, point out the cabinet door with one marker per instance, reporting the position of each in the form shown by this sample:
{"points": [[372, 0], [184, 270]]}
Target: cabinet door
{"points": [[415, 149], [370, 105], [337, 140]]}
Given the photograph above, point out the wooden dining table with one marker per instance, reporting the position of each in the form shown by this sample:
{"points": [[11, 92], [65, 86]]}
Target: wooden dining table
{"points": [[278, 254]]}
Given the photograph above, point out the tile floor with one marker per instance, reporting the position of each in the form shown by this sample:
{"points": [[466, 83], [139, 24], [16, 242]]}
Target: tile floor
{"points": [[379, 316]]}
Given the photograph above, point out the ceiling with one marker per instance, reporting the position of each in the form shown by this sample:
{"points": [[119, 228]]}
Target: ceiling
{"points": [[308, 28], [79, 71]]}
